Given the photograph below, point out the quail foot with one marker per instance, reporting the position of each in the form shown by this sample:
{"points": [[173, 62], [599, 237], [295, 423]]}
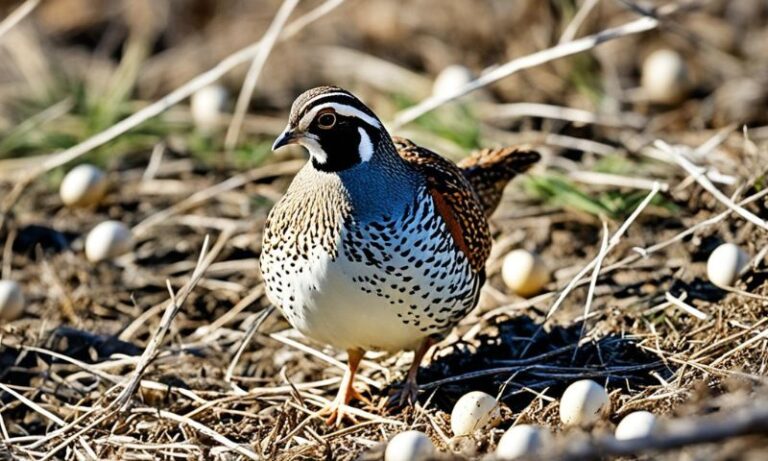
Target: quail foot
{"points": [[378, 244]]}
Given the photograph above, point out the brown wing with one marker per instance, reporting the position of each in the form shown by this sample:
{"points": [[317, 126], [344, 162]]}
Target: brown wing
{"points": [[454, 199]]}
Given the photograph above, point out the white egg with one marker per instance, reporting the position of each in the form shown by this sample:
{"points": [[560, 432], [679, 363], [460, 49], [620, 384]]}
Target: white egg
{"points": [[451, 79], [583, 403], [524, 273], [475, 411], [84, 185], [725, 264], [207, 105], [636, 425], [665, 77], [11, 300], [409, 446], [107, 240], [523, 441]]}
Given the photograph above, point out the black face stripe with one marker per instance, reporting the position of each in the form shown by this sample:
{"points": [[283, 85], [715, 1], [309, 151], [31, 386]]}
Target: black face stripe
{"points": [[342, 143]]}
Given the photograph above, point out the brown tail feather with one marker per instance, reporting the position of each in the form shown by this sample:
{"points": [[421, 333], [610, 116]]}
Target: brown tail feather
{"points": [[489, 171]]}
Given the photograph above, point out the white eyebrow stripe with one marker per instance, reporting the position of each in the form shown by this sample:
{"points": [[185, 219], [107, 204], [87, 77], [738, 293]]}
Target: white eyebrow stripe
{"points": [[342, 109]]}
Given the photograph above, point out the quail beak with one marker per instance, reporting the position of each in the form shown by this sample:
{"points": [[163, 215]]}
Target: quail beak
{"points": [[286, 137]]}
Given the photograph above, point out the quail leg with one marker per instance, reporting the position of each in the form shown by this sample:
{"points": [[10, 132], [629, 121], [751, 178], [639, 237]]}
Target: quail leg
{"points": [[347, 392], [410, 390]]}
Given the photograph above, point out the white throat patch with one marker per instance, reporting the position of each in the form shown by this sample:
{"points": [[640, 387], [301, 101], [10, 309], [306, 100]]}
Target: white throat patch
{"points": [[365, 149], [314, 148]]}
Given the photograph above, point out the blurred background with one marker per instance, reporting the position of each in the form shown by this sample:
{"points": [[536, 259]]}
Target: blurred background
{"points": [[75, 67]]}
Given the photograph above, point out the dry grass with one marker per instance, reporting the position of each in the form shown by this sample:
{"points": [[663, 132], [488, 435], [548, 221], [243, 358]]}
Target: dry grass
{"points": [[173, 352]]}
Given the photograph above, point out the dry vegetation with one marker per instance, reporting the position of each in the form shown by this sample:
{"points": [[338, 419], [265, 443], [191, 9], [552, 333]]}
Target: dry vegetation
{"points": [[106, 364]]}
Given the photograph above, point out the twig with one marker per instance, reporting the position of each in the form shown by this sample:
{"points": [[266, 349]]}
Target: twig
{"points": [[42, 411], [204, 195], [324, 357], [760, 336], [678, 302], [640, 253], [246, 340], [593, 283], [64, 430], [296, 26], [702, 179], [82, 365], [742, 292], [17, 15], [250, 454], [323, 402], [7, 267], [645, 252], [267, 42], [37, 408], [614, 241], [573, 27], [128, 333], [170, 312], [77, 435], [249, 299], [712, 347], [715, 141], [559, 51], [4, 431], [568, 114], [586, 145], [155, 159], [607, 179]]}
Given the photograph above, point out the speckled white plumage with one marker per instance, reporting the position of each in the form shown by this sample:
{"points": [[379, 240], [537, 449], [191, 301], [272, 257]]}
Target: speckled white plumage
{"points": [[392, 283]]}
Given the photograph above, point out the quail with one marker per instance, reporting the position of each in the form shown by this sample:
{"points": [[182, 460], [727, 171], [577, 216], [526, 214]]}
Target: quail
{"points": [[378, 244]]}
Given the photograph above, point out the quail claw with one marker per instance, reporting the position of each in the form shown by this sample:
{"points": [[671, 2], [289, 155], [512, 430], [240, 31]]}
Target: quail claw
{"points": [[406, 395], [337, 412]]}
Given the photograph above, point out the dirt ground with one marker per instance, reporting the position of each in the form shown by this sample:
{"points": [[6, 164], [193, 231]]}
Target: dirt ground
{"points": [[230, 368]]}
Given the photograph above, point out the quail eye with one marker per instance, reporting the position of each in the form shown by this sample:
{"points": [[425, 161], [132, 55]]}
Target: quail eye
{"points": [[326, 120]]}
